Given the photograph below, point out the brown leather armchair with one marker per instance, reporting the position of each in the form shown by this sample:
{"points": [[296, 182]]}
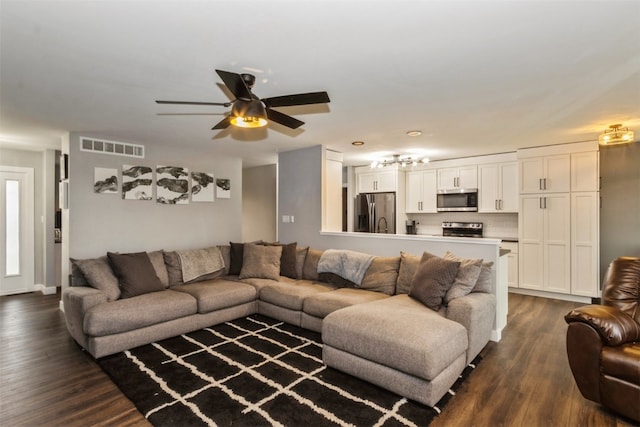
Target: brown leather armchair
{"points": [[603, 341]]}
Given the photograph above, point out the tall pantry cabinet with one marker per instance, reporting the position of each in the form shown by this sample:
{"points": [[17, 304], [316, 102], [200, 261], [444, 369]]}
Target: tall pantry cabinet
{"points": [[559, 219]]}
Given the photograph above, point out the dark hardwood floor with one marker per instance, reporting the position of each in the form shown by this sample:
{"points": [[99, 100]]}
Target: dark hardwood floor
{"points": [[46, 380]]}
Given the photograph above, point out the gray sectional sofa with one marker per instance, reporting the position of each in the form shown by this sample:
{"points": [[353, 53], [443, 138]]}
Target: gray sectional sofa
{"points": [[375, 328]]}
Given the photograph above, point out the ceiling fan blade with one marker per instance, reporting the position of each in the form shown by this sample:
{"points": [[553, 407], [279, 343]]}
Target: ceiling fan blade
{"points": [[283, 119], [223, 124], [236, 85], [222, 104], [298, 99]]}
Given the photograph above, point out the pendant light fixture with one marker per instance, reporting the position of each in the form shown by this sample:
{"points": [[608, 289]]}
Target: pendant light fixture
{"points": [[615, 135]]}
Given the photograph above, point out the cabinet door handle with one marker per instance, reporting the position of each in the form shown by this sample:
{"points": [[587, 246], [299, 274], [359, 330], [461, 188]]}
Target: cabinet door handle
{"points": [[501, 205], [545, 202], [420, 205], [496, 205], [541, 207], [544, 184], [540, 184]]}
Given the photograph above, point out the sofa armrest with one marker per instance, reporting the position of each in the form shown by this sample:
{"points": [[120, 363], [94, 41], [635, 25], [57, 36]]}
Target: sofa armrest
{"points": [[77, 300], [614, 326], [477, 313]]}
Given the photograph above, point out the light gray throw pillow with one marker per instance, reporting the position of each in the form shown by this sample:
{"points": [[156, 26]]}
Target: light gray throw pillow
{"points": [[466, 278]]}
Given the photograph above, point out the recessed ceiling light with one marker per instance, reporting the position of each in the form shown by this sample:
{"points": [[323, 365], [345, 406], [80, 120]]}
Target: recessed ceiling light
{"points": [[414, 133], [357, 143]]}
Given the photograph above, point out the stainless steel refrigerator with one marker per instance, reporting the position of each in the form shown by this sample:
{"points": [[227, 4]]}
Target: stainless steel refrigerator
{"points": [[376, 213]]}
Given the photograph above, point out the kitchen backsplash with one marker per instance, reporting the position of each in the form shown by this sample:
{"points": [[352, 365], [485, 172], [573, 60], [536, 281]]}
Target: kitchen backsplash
{"points": [[495, 225]]}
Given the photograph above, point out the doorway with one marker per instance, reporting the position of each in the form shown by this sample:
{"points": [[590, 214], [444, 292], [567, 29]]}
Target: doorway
{"points": [[16, 230]]}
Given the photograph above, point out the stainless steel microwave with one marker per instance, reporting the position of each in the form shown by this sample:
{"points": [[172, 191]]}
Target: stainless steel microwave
{"points": [[458, 200]]}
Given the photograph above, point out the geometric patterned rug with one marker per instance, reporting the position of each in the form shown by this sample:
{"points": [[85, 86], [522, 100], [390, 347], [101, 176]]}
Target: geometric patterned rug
{"points": [[255, 371]]}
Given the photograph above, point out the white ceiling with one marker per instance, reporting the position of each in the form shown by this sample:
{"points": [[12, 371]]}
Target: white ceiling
{"points": [[476, 77]]}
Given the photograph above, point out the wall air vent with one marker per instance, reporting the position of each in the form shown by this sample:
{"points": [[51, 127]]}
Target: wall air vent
{"points": [[111, 147]]}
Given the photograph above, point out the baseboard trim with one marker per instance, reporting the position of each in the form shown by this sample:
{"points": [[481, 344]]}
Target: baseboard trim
{"points": [[46, 290], [61, 306], [561, 297], [496, 335]]}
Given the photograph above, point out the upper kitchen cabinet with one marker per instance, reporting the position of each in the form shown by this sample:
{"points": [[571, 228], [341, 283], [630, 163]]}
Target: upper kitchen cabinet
{"points": [[498, 187], [548, 174], [585, 171], [421, 190], [376, 181], [559, 168], [455, 178]]}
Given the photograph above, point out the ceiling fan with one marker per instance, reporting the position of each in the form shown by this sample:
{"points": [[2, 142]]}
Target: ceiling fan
{"points": [[249, 111]]}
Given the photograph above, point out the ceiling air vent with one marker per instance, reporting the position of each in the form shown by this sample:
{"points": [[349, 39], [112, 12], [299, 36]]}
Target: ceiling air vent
{"points": [[111, 147]]}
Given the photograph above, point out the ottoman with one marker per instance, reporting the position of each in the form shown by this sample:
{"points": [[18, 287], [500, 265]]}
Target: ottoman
{"points": [[398, 344]]}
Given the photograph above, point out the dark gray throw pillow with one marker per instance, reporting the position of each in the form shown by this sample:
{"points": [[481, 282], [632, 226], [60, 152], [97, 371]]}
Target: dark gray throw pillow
{"points": [[135, 273], [432, 279]]}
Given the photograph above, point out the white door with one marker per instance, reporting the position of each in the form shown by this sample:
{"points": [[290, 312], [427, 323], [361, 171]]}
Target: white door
{"points": [[16, 230]]}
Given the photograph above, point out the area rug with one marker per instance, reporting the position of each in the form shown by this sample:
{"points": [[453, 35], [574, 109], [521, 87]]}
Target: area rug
{"points": [[255, 371]]}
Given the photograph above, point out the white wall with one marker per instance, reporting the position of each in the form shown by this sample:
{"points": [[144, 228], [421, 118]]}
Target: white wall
{"points": [[105, 222], [259, 203]]}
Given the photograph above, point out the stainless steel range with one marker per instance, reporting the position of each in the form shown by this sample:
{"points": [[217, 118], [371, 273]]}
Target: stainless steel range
{"points": [[462, 229]]}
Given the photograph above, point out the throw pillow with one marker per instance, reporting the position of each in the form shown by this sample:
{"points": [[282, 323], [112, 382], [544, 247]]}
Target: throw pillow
{"points": [[484, 280], [287, 259], [382, 275], [236, 258], [157, 260], [99, 275], [135, 273], [261, 262], [301, 255], [310, 268], [466, 278], [432, 280], [408, 265]]}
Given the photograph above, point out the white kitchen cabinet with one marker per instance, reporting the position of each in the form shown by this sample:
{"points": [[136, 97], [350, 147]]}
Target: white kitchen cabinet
{"points": [[585, 171], [498, 187], [458, 177], [512, 258], [374, 181], [545, 242], [421, 191], [548, 174], [585, 243]]}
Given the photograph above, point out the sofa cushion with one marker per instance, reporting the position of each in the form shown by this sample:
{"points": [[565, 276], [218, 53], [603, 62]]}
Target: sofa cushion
{"points": [[432, 280], [217, 294], [408, 265], [310, 268], [135, 273], [466, 278], [134, 313], [420, 342], [321, 304], [382, 275], [99, 275], [261, 261], [292, 296]]}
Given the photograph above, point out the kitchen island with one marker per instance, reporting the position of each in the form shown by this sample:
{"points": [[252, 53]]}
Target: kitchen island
{"points": [[465, 247]]}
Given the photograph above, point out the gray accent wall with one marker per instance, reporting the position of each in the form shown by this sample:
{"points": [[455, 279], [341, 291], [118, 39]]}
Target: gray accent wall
{"points": [[620, 212], [105, 222]]}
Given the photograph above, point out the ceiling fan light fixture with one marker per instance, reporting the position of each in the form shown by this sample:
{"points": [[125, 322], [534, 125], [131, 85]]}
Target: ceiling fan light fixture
{"points": [[250, 114], [615, 135]]}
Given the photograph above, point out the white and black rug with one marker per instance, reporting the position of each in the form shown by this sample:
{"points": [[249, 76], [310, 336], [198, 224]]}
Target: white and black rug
{"points": [[254, 371]]}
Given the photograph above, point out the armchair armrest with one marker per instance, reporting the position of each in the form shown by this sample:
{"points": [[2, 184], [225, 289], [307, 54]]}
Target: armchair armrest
{"points": [[614, 326]]}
